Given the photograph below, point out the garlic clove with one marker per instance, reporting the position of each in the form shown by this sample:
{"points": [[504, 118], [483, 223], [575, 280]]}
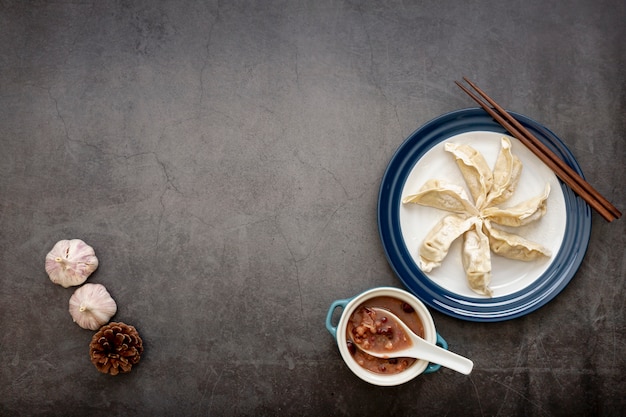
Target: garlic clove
{"points": [[91, 306], [70, 262]]}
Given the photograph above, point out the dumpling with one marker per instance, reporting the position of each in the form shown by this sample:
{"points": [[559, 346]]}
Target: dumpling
{"points": [[506, 173], [442, 195], [520, 214], [436, 244], [475, 171], [513, 246], [477, 260]]}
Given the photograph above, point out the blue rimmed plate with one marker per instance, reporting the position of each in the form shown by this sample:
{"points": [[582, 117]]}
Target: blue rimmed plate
{"points": [[519, 287]]}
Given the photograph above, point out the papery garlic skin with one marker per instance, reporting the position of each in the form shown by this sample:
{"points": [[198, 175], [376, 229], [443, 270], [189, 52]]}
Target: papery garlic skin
{"points": [[70, 262], [91, 306]]}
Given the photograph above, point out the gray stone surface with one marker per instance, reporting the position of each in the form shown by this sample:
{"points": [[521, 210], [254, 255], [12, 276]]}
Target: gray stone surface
{"points": [[224, 160]]}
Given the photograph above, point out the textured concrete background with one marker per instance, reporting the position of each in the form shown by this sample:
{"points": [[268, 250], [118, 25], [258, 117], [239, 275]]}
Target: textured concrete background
{"points": [[224, 159]]}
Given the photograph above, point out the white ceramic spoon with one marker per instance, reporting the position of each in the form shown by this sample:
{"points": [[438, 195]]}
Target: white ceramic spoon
{"points": [[420, 348]]}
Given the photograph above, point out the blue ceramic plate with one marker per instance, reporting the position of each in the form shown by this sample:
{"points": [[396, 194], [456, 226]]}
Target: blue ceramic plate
{"points": [[519, 287]]}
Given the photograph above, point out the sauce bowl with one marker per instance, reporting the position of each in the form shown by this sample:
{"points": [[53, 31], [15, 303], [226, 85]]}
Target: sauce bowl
{"points": [[348, 307]]}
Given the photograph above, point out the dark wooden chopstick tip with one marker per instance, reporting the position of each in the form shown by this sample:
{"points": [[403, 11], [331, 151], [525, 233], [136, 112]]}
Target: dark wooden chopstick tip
{"points": [[581, 187]]}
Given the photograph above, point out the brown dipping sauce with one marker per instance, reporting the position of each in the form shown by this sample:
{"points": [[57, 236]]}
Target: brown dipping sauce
{"points": [[379, 334]]}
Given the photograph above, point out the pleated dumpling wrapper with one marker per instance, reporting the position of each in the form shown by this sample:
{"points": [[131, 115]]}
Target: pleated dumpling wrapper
{"points": [[513, 246], [475, 171], [477, 259], [520, 214], [506, 175], [437, 243], [443, 195]]}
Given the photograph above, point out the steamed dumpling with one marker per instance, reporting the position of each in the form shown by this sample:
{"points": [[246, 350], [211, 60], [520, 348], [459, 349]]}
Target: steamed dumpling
{"points": [[513, 246], [477, 260], [476, 172], [520, 214], [442, 195], [506, 173], [435, 246]]}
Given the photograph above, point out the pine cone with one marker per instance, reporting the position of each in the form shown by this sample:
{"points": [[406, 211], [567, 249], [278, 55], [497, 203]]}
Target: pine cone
{"points": [[115, 348]]}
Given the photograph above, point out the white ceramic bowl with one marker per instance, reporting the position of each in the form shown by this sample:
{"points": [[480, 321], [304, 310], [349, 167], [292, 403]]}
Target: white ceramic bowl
{"points": [[339, 332]]}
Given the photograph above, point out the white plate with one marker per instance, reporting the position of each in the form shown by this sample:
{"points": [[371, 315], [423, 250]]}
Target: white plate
{"points": [[520, 287]]}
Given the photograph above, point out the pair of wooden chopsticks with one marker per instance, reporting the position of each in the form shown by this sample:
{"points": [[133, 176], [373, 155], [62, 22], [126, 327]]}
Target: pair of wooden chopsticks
{"points": [[581, 187]]}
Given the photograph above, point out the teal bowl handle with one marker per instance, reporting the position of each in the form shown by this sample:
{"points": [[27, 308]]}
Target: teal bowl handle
{"points": [[329, 316], [434, 367]]}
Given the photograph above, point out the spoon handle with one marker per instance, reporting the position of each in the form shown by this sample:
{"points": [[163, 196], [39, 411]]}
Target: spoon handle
{"points": [[435, 354]]}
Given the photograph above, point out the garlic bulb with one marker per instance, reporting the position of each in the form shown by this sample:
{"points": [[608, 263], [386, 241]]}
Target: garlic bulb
{"points": [[91, 306], [70, 262]]}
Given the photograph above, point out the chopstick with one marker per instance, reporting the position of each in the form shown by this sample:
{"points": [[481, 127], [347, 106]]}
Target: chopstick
{"points": [[581, 187]]}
